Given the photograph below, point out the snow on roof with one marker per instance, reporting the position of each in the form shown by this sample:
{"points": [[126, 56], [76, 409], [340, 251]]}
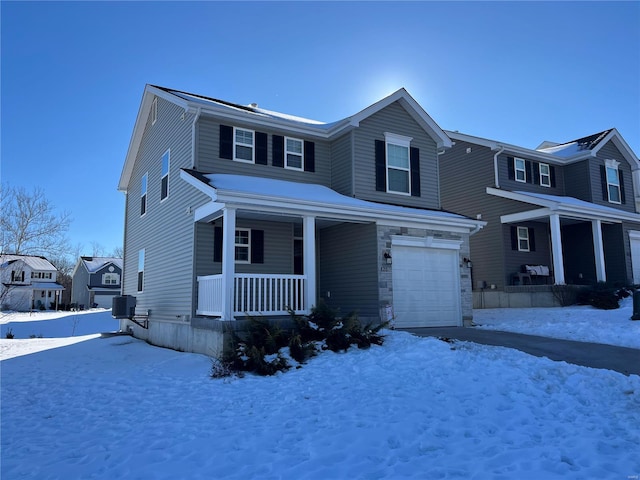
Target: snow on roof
{"points": [[33, 261], [310, 193], [93, 264], [575, 147], [573, 202]]}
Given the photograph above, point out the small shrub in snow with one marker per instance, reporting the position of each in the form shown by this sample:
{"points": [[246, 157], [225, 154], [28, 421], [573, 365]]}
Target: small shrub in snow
{"points": [[9, 335], [603, 296]]}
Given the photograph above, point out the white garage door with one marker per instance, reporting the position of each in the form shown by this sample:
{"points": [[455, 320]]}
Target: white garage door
{"points": [[634, 239], [426, 289]]}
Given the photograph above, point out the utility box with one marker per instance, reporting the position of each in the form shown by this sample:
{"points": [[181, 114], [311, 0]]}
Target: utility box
{"points": [[123, 306], [636, 305]]}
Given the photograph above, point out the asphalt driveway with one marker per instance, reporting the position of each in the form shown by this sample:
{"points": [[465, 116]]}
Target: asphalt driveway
{"points": [[596, 355]]}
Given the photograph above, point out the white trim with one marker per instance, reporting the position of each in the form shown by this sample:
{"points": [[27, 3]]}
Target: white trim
{"points": [[154, 111], [542, 175], [523, 169], [246, 145], [524, 238], [613, 165], [598, 249], [428, 242], [301, 154], [396, 139], [242, 245], [399, 141]]}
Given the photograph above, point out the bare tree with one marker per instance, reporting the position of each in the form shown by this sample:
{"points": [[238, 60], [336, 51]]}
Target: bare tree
{"points": [[117, 252], [29, 223], [97, 249]]}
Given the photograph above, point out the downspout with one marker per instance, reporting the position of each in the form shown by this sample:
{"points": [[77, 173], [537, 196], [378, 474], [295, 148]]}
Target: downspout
{"points": [[193, 138], [495, 166]]}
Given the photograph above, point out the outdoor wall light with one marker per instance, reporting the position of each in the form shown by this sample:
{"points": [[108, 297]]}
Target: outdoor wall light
{"points": [[468, 263], [387, 257]]}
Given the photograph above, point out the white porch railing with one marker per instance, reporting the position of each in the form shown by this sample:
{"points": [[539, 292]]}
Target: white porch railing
{"points": [[254, 294]]}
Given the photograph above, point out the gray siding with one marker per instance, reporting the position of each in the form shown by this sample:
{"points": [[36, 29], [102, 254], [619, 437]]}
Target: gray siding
{"points": [[341, 164], [165, 232], [514, 259], [615, 254], [508, 184], [95, 279], [79, 292], [209, 161], [349, 268], [578, 254], [394, 119], [576, 180], [609, 151]]}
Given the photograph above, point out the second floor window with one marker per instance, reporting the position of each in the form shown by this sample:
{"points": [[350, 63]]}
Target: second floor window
{"points": [[17, 275], [294, 153], [398, 164], [143, 194], [164, 182], [613, 184], [545, 175], [520, 169], [111, 279], [243, 145]]}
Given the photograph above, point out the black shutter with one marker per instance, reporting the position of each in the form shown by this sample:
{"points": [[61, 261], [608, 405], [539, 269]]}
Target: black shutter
{"points": [[512, 168], [309, 156], [226, 142], [552, 175], [217, 244], [535, 173], [532, 239], [528, 171], [603, 179], [277, 145], [257, 246], [623, 198], [514, 238], [381, 168], [261, 148], [415, 171]]}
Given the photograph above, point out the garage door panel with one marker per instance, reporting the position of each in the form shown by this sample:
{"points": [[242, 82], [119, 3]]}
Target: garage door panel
{"points": [[425, 287]]}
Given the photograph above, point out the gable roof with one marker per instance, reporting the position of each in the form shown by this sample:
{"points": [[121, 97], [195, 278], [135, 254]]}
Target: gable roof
{"points": [[93, 264], [35, 262], [197, 104], [574, 147]]}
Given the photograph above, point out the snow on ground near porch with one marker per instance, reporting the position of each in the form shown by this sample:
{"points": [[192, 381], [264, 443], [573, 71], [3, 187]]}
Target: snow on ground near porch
{"points": [[582, 323], [108, 408]]}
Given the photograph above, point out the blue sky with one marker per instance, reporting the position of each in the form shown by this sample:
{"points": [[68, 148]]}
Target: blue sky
{"points": [[73, 73]]}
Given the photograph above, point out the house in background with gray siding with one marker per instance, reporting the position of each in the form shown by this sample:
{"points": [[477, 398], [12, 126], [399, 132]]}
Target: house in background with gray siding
{"points": [[95, 281], [569, 210], [234, 211]]}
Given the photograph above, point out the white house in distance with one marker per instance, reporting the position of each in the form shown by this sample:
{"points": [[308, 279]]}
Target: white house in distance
{"points": [[95, 281], [28, 282]]}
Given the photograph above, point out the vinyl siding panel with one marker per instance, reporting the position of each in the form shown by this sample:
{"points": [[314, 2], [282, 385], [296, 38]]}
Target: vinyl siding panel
{"points": [[514, 259], [341, 164], [209, 161], [577, 183], [609, 151], [349, 268], [508, 184], [394, 119], [165, 232]]}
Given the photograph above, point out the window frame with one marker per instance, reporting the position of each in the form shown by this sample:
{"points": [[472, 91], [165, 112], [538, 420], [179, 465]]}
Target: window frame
{"points": [[140, 279], [246, 246], [298, 154], [164, 179], [236, 144], [522, 170], [154, 111], [613, 166], [403, 142], [546, 176], [144, 184], [524, 238]]}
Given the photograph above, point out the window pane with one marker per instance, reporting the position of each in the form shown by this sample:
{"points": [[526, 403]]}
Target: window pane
{"points": [[294, 146], [612, 176], [242, 254], [244, 136], [614, 193], [244, 153], [398, 180], [164, 187], [165, 163], [397, 156], [544, 169], [242, 237], [294, 161]]}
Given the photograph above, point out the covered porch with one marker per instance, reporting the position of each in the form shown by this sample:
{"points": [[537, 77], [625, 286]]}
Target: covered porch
{"points": [[581, 243]]}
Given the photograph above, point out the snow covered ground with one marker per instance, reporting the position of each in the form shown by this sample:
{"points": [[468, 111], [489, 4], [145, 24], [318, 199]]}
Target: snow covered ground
{"points": [[107, 408]]}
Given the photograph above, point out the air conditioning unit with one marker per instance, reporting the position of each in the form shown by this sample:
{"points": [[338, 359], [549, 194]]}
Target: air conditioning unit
{"points": [[123, 306]]}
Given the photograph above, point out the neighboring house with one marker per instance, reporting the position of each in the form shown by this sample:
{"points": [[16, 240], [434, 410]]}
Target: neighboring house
{"points": [[28, 282], [569, 209], [235, 210], [95, 281]]}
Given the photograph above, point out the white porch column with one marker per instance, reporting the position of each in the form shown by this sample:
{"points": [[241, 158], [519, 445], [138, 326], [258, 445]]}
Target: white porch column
{"points": [[309, 259], [598, 250], [228, 261], [556, 248]]}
